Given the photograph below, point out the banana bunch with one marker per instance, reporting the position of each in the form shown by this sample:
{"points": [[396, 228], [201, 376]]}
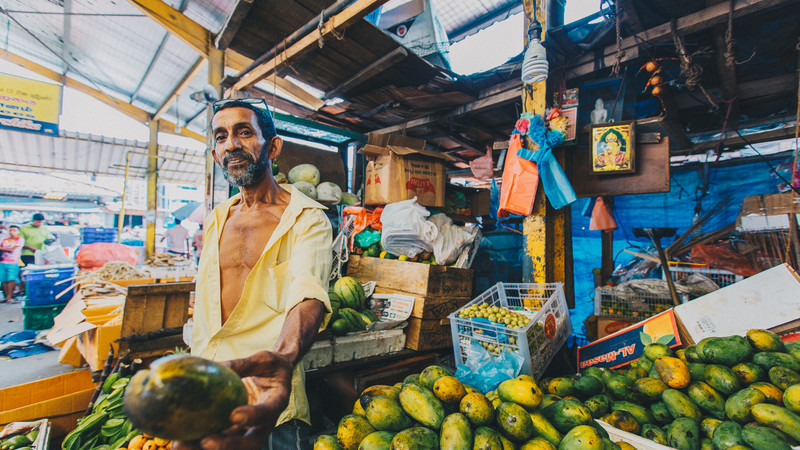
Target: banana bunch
{"points": [[106, 427]]}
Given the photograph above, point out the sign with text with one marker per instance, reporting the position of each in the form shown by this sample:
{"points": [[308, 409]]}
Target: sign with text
{"points": [[628, 344], [28, 105]]}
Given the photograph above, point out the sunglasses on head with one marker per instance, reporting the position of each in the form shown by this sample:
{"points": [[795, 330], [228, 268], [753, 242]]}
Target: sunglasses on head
{"points": [[239, 101]]}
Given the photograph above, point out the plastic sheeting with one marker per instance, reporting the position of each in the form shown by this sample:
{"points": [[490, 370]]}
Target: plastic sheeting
{"points": [[673, 209]]}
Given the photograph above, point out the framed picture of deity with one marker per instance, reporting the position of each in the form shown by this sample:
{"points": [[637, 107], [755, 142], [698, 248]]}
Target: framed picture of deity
{"points": [[613, 151]]}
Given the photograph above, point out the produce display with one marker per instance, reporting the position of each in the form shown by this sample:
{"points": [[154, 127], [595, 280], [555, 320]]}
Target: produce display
{"points": [[20, 440], [433, 410], [306, 178], [724, 392], [350, 311]]}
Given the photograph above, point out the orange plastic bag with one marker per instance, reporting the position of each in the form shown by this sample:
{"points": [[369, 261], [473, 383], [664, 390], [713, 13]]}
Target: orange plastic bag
{"points": [[363, 218], [601, 219], [520, 181], [94, 256]]}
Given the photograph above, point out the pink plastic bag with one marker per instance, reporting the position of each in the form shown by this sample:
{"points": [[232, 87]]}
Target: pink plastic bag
{"points": [[482, 166], [94, 256]]}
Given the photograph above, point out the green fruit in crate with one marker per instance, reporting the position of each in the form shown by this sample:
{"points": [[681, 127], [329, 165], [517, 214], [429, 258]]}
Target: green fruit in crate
{"points": [[599, 405], [648, 389], [765, 341], [727, 434], [351, 292], [791, 398], [654, 433], [793, 348], [640, 413], [748, 373], [783, 377], [477, 408], [771, 359], [779, 418], [727, 351], [411, 379], [738, 407], [672, 371], [352, 430], [623, 420], [661, 413], [378, 389], [763, 438], [587, 386], [566, 414], [379, 440], [708, 425], [525, 393], [582, 437], [373, 250], [456, 433], [537, 444], [707, 399], [386, 414], [549, 399], [561, 386], [430, 374], [656, 350], [680, 405], [422, 406], [684, 434], [417, 438], [326, 442], [514, 421], [543, 428], [697, 371], [164, 400], [487, 439], [721, 378]]}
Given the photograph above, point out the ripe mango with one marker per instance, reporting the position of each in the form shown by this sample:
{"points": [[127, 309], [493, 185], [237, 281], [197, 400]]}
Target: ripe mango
{"points": [[656, 350], [385, 414], [352, 430], [477, 408], [514, 421], [673, 372], [456, 433], [545, 429], [765, 341], [486, 438], [774, 395], [748, 373], [537, 443], [325, 442], [708, 425], [422, 406], [648, 389], [707, 399], [783, 377], [582, 437], [623, 420], [414, 438], [680, 405], [567, 414], [791, 398], [739, 405], [523, 392], [430, 374], [379, 440], [721, 378], [448, 389], [777, 417]]}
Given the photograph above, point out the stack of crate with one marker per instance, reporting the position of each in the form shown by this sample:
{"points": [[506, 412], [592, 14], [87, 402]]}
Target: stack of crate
{"points": [[47, 291], [437, 292]]}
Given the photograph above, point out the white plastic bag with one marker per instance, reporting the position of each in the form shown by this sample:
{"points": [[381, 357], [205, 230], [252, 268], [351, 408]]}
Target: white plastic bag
{"points": [[451, 240], [406, 230], [51, 254]]}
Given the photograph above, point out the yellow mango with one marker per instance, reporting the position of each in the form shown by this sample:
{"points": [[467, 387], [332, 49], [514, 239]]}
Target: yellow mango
{"points": [[674, 372]]}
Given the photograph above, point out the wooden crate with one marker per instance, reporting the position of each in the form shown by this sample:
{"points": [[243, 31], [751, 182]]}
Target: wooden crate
{"points": [[416, 278], [153, 308], [434, 307], [423, 334]]}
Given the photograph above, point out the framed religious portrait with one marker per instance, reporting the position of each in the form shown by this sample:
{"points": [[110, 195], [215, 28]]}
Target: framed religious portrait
{"points": [[613, 149]]}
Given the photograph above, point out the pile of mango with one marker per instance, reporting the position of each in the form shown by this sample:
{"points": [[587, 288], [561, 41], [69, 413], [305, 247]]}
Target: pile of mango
{"points": [[433, 410], [722, 393]]}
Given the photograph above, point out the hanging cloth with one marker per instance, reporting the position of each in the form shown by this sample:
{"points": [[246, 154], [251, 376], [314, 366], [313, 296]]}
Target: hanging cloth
{"points": [[520, 181], [556, 185]]}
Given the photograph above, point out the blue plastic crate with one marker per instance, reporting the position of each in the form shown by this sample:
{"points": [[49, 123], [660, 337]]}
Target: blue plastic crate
{"points": [[90, 235], [41, 288]]}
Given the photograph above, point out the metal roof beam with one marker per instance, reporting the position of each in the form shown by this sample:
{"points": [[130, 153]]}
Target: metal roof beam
{"points": [[67, 32], [182, 85], [377, 66], [150, 66], [125, 108], [232, 24], [335, 24]]}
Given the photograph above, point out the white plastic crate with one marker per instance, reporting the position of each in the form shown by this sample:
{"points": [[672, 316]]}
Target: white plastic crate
{"points": [[537, 342], [628, 305], [721, 277]]}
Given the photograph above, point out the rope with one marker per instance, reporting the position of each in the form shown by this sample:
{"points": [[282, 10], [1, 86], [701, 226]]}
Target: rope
{"points": [[620, 52], [691, 71]]}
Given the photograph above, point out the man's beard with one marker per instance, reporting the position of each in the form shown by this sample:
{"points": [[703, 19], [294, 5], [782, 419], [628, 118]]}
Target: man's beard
{"points": [[254, 172]]}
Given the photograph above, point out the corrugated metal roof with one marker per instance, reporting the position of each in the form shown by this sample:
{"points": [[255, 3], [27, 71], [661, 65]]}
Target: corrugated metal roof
{"points": [[78, 152]]}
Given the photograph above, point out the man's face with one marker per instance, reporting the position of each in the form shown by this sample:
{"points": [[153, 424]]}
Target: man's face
{"points": [[240, 148], [37, 223]]}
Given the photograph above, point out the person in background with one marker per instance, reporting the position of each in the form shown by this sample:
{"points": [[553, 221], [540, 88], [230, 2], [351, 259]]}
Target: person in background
{"points": [[3, 230], [197, 243], [262, 284], [177, 239], [35, 234], [10, 251]]}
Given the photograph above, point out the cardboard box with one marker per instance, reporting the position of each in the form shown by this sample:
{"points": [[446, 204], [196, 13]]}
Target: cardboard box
{"points": [[767, 212], [413, 278], [433, 307], [63, 399], [423, 334], [479, 201], [400, 168], [626, 345], [765, 300]]}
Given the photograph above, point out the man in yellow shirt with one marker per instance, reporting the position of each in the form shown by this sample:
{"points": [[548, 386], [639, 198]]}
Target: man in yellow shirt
{"points": [[262, 283]]}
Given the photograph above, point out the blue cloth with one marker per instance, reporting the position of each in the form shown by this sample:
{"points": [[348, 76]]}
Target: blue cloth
{"points": [[557, 187], [18, 344], [9, 272]]}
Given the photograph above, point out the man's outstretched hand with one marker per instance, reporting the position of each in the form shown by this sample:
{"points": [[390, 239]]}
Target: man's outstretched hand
{"points": [[268, 379]]}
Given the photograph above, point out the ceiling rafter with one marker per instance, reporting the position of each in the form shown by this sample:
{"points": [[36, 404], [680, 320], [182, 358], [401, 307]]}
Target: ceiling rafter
{"points": [[335, 24], [232, 24], [190, 75], [125, 108]]}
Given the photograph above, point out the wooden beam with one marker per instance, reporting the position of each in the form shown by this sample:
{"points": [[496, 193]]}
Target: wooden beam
{"points": [[129, 110], [370, 71], [737, 141], [232, 24], [700, 20], [335, 24], [182, 85], [186, 29], [481, 104], [630, 17]]}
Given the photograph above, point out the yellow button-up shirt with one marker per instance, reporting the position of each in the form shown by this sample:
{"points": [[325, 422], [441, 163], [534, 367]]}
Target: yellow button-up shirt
{"points": [[295, 265]]}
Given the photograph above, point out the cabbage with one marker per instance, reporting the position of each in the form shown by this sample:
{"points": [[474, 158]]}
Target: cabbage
{"points": [[329, 192], [304, 172], [350, 199], [306, 188]]}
